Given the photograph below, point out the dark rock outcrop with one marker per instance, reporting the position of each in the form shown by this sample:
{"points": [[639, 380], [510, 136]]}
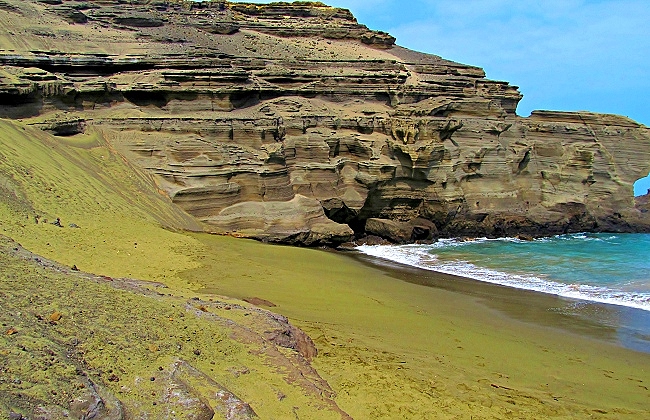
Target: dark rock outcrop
{"points": [[402, 232], [642, 203], [294, 123]]}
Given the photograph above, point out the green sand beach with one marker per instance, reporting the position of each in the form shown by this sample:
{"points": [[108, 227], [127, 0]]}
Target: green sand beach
{"points": [[394, 349], [129, 130], [388, 348]]}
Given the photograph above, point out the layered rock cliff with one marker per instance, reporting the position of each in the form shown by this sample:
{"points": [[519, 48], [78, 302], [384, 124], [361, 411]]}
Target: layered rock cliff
{"points": [[295, 123]]}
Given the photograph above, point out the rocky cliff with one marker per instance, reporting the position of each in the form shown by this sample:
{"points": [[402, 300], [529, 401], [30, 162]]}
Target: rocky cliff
{"points": [[295, 123]]}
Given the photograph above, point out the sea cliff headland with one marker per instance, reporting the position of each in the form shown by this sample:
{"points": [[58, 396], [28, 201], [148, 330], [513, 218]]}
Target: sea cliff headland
{"points": [[295, 123]]}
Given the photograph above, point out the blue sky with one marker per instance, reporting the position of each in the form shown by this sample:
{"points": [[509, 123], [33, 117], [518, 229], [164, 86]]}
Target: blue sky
{"points": [[566, 55]]}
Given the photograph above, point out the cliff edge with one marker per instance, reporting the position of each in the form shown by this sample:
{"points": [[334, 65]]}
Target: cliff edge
{"points": [[292, 122]]}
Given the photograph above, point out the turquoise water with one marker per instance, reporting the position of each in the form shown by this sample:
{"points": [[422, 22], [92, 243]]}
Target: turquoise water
{"points": [[606, 268]]}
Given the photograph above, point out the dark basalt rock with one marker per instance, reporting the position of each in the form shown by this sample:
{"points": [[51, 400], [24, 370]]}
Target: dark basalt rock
{"points": [[72, 14]]}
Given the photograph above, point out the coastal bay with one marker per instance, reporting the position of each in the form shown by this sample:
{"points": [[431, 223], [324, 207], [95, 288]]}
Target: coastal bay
{"points": [[140, 142]]}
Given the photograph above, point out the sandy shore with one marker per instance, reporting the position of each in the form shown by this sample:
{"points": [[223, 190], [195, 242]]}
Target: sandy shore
{"points": [[624, 326], [399, 349]]}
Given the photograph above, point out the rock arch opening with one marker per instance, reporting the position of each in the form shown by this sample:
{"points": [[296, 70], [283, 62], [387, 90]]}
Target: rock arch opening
{"points": [[642, 186]]}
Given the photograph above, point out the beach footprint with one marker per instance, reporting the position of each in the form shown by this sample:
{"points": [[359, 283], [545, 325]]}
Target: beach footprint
{"points": [[464, 388]]}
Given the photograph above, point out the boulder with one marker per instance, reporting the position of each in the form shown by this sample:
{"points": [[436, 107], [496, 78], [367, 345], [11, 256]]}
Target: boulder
{"points": [[402, 232], [300, 221]]}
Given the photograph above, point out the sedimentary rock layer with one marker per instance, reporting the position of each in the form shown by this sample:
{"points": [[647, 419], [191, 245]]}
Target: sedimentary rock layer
{"points": [[295, 123]]}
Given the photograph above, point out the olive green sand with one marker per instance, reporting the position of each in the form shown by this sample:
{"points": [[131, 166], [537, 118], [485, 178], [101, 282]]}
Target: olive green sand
{"points": [[387, 348]]}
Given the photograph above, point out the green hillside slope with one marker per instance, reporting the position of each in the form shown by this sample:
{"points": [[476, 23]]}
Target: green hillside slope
{"points": [[113, 219]]}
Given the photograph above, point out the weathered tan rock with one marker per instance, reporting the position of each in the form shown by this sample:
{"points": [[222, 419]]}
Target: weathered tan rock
{"points": [[266, 120], [402, 232], [185, 379], [300, 221]]}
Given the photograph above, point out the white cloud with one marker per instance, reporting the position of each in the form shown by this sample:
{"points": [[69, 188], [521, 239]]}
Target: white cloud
{"points": [[551, 49]]}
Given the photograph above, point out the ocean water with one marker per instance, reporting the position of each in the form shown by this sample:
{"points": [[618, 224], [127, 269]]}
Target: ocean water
{"points": [[606, 268]]}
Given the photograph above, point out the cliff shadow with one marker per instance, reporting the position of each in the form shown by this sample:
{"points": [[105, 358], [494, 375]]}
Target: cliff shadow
{"points": [[20, 106]]}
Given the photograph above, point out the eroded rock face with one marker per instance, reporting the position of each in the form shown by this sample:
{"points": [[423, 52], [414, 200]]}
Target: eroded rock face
{"points": [[294, 123], [643, 203]]}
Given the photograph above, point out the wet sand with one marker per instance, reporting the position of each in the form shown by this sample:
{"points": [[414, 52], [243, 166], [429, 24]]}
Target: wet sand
{"points": [[396, 342], [624, 326]]}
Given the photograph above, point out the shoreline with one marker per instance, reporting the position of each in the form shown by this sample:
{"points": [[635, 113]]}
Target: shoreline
{"points": [[592, 319], [544, 282]]}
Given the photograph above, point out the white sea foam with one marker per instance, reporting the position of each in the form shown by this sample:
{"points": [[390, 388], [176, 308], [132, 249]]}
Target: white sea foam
{"points": [[420, 256]]}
